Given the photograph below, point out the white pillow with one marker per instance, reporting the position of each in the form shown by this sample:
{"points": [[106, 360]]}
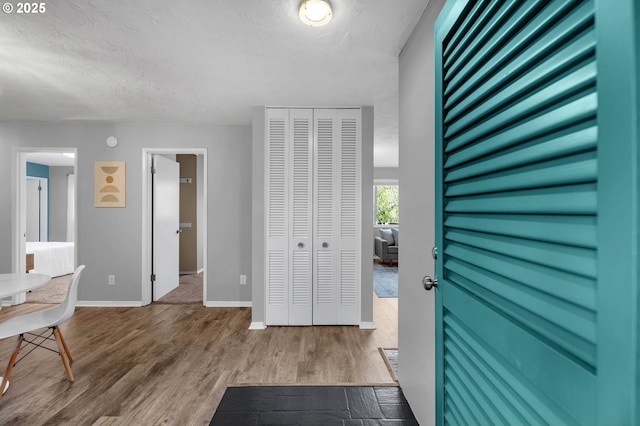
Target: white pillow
{"points": [[396, 238], [387, 235]]}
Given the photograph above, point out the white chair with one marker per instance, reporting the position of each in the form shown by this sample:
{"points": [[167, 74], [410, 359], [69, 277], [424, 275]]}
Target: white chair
{"points": [[48, 318]]}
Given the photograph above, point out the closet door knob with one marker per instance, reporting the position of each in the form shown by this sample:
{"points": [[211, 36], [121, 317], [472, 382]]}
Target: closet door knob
{"points": [[325, 245], [300, 245]]}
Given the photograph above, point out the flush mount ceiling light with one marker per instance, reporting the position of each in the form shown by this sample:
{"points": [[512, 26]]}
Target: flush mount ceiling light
{"points": [[315, 13]]}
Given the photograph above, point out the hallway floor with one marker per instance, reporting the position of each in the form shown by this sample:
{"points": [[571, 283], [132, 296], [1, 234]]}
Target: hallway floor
{"points": [[171, 364]]}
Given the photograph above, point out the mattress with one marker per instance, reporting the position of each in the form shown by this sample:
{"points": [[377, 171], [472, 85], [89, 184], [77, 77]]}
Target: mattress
{"points": [[52, 258]]}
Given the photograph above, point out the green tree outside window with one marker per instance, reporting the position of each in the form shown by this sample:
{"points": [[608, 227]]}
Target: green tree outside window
{"points": [[387, 204]]}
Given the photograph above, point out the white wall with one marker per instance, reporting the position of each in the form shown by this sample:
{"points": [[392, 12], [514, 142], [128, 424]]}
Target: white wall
{"points": [[58, 181], [109, 239], [386, 175], [416, 316]]}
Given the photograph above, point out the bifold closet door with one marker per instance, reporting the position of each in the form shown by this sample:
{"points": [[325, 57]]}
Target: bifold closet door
{"points": [[336, 221], [300, 238], [289, 216]]}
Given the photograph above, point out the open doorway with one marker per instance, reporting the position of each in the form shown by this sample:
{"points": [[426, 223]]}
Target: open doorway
{"points": [[385, 267], [44, 219], [174, 226]]}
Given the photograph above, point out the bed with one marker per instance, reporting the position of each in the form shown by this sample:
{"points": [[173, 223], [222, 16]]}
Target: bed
{"points": [[52, 258]]}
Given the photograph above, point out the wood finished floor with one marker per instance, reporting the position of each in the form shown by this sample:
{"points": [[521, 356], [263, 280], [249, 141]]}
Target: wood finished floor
{"points": [[170, 364]]}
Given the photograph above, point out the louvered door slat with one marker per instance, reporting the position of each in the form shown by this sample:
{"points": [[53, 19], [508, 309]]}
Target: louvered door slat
{"points": [[572, 199], [570, 141], [579, 231], [518, 204], [564, 171]]}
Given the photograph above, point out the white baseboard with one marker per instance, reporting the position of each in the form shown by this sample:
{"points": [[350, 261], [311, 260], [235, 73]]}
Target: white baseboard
{"points": [[257, 325], [228, 304], [109, 304], [367, 325]]}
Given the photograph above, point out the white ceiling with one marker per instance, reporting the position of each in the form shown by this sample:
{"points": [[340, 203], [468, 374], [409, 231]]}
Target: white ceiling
{"points": [[203, 61]]}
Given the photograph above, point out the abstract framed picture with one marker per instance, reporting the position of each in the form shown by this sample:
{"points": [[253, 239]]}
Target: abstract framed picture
{"points": [[110, 187]]}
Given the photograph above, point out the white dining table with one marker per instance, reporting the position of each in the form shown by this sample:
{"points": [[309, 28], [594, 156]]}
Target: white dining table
{"points": [[12, 284]]}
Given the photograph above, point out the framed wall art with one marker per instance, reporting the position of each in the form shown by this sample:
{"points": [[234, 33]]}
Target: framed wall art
{"points": [[110, 187]]}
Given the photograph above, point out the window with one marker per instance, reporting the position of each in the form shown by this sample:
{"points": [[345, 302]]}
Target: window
{"points": [[386, 204]]}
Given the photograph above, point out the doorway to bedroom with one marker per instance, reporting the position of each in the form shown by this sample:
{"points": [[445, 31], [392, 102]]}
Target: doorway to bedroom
{"points": [[174, 226], [44, 219]]}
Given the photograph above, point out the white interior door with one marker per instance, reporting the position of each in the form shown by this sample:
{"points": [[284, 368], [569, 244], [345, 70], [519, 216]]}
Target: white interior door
{"points": [[326, 207], [277, 221], [337, 183], [166, 225], [301, 232]]}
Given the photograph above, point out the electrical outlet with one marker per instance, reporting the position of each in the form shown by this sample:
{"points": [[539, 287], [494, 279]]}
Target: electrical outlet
{"points": [[243, 279], [112, 280]]}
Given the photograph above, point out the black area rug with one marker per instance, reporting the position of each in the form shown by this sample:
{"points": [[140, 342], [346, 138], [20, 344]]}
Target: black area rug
{"points": [[314, 405]]}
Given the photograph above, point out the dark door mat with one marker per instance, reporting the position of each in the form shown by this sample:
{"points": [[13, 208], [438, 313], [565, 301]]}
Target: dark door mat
{"points": [[314, 405]]}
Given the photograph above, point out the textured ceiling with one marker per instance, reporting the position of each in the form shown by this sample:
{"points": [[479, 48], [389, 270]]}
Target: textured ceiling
{"points": [[202, 61]]}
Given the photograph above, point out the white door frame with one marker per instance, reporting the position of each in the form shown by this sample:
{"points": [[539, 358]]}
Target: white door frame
{"points": [[19, 205], [147, 209]]}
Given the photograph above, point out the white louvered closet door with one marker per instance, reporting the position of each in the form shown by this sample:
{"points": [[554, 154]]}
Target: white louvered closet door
{"points": [[312, 203], [277, 217], [337, 200], [300, 196]]}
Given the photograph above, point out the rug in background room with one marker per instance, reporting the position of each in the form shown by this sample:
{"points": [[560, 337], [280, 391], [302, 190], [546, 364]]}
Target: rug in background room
{"points": [[189, 290], [391, 360], [385, 280], [54, 292], [313, 405]]}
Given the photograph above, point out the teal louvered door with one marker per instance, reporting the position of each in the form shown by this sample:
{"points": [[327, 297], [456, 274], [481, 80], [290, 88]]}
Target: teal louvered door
{"points": [[525, 320]]}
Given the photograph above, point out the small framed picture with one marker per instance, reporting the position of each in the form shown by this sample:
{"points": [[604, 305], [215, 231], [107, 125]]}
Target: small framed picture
{"points": [[110, 181]]}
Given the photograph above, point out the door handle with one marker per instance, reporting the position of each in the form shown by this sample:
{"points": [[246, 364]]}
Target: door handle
{"points": [[179, 231], [428, 283]]}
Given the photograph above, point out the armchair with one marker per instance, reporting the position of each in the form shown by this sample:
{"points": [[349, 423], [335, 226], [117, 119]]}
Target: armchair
{"points": [[386, 246]]}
